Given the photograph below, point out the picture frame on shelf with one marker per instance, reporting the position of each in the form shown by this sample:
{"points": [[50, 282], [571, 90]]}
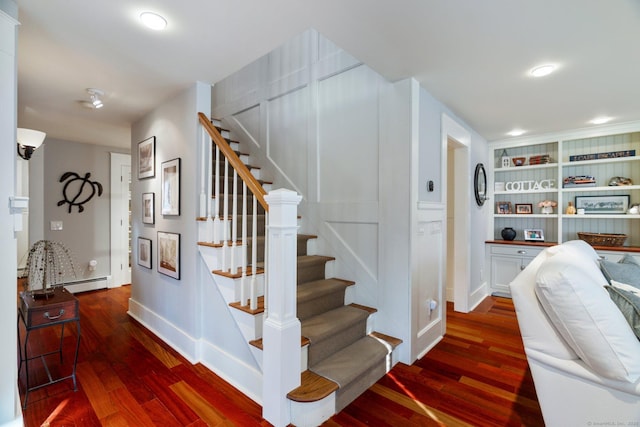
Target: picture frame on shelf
{"points": [[144, 252], [169, 254], [503, 208], [605, 205], [147, 158], [534, 235], [170, 173], [148, 208], [524, 208]]}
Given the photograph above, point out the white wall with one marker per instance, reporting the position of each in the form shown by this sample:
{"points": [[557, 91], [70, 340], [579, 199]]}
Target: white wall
{"points": [[359, 150], [168, 306], [10, 413], [86, 234]]}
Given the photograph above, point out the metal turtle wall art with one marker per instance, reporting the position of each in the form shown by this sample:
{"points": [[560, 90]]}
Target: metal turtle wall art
{"points": [[78, 190]]}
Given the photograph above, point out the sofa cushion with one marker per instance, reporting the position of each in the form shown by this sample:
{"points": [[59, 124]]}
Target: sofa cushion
{"points": [[538, 333], [627, 270], [627, 298], [571, 291]]}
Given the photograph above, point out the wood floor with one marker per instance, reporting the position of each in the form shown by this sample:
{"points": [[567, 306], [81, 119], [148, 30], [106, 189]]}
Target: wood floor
{"points": [[477, 375]]}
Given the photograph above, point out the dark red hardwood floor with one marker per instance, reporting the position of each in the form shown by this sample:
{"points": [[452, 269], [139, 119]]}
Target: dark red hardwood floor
{"points": [[477, 375]]}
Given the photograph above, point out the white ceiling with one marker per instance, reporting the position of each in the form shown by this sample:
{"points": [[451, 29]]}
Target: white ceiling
{"points": [[473, 55]]}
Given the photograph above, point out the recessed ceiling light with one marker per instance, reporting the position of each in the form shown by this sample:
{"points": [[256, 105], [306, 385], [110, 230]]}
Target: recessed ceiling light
{"points": [[516, 132], [600, 120], [542, 70], [153, 20]]}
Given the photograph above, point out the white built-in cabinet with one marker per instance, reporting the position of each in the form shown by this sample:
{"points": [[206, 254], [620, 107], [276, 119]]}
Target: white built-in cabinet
{"points": [[529, 184]]}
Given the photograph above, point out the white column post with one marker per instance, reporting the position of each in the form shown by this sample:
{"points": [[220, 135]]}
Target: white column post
{"points": [[281, 331]]}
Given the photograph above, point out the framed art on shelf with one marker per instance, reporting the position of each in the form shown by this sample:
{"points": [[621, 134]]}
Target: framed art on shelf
{"points": [[169, 254], [534, 235], [148, 208], [503, 208], [617, 204], [524, 208], [144, 252], [147, 158], [171, 187]]}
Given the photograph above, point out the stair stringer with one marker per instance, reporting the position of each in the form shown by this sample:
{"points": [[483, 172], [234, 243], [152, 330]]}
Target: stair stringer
{"points": [[222, 347], [249, 325]]}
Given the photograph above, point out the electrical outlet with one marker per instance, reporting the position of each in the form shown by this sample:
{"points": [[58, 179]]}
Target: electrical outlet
{"points": [[56, 225]]}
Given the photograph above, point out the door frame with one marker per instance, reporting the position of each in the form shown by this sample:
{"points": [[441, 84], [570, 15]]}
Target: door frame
{"points": [[462, 221]]}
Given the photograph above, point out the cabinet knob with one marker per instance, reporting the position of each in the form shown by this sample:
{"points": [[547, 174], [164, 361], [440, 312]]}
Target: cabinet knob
{"points": [[521, 252]]}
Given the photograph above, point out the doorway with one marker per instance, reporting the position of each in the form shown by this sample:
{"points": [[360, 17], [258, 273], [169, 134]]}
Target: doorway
{"points": [[121, 252], [455, 149]]}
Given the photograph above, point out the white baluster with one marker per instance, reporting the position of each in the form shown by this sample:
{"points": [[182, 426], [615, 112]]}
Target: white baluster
{"points": [[225, 217], [234, 223]]}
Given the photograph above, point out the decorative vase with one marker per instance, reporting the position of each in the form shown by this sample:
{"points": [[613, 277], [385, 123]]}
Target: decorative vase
{"points": [[547, 209], [508, 233]]}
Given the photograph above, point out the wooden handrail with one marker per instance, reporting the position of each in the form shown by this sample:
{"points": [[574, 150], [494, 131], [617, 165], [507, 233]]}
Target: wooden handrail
{"points": [[245, 174]]}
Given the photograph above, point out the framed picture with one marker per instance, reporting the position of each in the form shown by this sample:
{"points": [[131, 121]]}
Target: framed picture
{"points": [[524, 208], [603, 204], [171, 187], [503, 207], [169, 254], [148, 208], [147, 158], [144, 252], [534, 234]]}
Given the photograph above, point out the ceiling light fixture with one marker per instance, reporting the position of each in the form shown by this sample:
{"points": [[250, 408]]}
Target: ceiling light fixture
{"points": [[542, 70], [153, 20], [95, 95], [600, 120], [28, 140], [516, 132]]}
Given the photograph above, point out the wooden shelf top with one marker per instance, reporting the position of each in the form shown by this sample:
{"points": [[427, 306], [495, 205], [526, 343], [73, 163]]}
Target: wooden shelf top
{"points": [[634, 249]]}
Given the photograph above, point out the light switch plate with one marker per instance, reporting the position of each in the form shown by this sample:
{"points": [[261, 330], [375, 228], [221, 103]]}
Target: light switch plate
{"points": [[56, 225]]}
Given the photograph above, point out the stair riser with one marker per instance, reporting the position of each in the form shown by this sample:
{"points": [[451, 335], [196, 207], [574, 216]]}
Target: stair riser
{"points": [[311, 273], [317, 306], [351, 391]]}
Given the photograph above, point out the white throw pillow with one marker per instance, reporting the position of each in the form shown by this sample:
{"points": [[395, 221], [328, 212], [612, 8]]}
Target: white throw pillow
{"points": [[571, 291]]}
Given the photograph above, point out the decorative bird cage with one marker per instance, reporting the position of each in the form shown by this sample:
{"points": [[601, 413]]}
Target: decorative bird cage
{"points": [[49, 265]]}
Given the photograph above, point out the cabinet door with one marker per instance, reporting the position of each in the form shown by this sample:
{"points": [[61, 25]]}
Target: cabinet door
{"points": [[503, 271]]}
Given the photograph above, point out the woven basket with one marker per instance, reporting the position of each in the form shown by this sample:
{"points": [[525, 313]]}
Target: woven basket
{"points": [[602, 239]]}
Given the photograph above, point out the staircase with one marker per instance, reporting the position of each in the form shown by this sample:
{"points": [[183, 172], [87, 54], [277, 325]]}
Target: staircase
{"points": [[342, 356]]}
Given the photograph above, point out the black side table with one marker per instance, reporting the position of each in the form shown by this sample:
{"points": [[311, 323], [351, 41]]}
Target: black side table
{"points": [[59, 308]]}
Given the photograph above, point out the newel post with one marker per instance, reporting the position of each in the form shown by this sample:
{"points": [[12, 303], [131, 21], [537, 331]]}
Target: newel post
{"points": [[281, 330]]}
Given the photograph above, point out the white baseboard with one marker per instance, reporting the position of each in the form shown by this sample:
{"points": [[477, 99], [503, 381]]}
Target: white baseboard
{"points": [[478, 296], [242, 376], [176, 338], [87, 285]]}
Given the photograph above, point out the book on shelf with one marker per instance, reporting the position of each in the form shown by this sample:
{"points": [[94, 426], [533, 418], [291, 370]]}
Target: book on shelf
{"points": [[598, 156], [579, 181], [540, 159]]}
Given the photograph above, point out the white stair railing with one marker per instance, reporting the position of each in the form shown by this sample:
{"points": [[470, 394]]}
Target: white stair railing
{"points": [[223, 170]]}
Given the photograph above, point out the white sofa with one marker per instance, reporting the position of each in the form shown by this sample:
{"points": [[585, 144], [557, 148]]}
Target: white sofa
{"points": [[598, 382]]}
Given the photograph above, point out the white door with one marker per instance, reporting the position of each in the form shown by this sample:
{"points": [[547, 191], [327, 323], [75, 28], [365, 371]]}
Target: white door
{"points": [[120, 219]]}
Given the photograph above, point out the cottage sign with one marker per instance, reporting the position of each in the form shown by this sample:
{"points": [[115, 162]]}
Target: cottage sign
{"points": [[545, 184]]}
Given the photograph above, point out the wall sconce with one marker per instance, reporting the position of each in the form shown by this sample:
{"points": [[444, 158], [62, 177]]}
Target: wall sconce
{"points": [[28, 141]]}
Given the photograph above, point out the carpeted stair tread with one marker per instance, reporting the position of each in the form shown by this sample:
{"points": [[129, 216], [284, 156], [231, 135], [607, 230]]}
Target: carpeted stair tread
{"points": [[348, 364], [319, 288], [327, 324]]}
